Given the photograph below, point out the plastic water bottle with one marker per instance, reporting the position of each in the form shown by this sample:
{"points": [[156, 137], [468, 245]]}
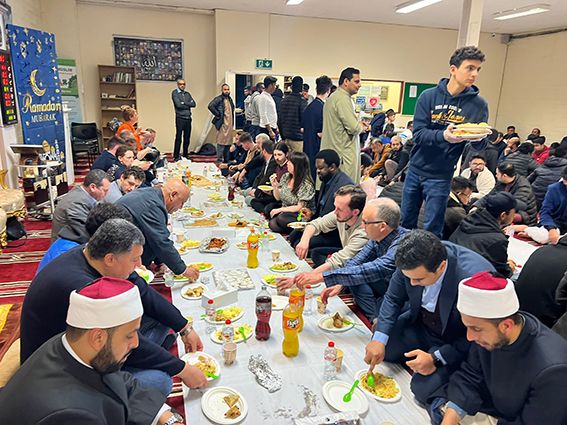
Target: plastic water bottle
{"points": [[265, 243], [211, 313], [308, 307], [330, 362], [227, 332]]}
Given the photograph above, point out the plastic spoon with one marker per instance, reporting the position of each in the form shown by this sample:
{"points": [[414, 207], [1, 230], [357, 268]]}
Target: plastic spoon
{"points": [[348, 322], [370, 380], [348, 396], [211, 375]]}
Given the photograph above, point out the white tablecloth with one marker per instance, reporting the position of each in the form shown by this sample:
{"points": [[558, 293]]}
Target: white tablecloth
{"points": [[306, 369]]}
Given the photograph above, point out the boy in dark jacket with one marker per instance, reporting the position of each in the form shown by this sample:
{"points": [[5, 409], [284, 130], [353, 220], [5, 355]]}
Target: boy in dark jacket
{"points": [[482, 232], [437, 149], [548, 173]]}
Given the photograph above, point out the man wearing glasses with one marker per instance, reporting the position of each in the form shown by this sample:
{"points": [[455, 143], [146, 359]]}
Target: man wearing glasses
{"points": [[367, 274]]}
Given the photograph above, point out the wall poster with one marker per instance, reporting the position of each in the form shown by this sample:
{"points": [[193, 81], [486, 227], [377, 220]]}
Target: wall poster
{"points": [[154, 60]]}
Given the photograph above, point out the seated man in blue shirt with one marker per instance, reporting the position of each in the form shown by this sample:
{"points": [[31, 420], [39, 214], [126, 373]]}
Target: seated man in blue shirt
{"points": [[429, 336], [67, 240]]}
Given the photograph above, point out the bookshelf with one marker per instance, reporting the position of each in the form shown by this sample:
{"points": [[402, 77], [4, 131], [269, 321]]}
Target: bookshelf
{"points": [[117, 88]]}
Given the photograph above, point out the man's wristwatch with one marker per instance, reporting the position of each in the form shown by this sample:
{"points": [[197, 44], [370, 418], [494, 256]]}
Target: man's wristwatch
{"points": [[188, 328], [437, 362], [174, 418]]}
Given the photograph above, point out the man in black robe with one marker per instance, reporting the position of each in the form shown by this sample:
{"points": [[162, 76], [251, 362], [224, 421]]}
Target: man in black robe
{"points": [[75, 377]]}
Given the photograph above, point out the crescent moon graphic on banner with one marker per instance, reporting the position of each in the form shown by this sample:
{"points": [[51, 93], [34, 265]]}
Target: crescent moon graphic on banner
{"points": [[33, 84]]}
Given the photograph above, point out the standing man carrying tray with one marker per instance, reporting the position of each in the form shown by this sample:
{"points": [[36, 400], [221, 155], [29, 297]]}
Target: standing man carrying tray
{"points": [[437, 148]]}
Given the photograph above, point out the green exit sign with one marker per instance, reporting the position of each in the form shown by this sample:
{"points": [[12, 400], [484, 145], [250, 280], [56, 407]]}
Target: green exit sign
{"points": [[263, 64]]}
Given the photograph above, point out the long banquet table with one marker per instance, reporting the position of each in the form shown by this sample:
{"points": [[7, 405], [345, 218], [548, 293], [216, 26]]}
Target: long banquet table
{"points": [[303, 371]]}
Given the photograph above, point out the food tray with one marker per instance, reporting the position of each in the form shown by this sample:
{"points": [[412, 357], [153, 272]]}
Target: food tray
{"points": [[203, 248], [237, 279]]}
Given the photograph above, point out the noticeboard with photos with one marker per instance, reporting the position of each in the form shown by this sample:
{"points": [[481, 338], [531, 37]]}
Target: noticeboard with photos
{"points": [[154, 60]]}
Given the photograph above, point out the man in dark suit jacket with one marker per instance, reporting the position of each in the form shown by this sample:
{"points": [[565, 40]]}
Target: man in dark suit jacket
{"points": [[150, 208], [182, 102], [429, 336], [258, 199]]}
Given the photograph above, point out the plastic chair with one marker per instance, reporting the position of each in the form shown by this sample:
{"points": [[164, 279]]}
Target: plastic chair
{"points": [[85, 138]]}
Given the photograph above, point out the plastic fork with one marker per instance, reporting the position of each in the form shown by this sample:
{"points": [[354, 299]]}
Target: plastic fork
{"points": [[348, 396], [241, 330], [300, 215]]}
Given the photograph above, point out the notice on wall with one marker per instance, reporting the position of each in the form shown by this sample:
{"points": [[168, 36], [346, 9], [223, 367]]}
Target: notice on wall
{"points": [[154, 60], [70, 88]]}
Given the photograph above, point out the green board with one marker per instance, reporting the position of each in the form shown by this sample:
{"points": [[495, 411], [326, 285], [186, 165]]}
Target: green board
{"points": [[411, 93]]}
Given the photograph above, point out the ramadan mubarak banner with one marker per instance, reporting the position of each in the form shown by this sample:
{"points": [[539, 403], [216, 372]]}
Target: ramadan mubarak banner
{"points": [[39, 93]]}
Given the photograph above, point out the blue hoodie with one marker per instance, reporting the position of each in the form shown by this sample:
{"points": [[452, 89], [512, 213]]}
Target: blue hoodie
{"points": [[432, 156]]}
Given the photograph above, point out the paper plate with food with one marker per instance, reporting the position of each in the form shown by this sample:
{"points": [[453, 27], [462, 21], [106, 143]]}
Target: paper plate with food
{"points": [[265, 188], [216, 336], [214, 245], [335, 323], [224, 405], [145, 274], [298, 224], [178, 278], [189, 244], [238, 223], [271, 280], [226, 313], [242, 245], [386, 388], [202, 266], [200, 181], [215, 197], [190, 210], [334, 391], [472, 131], [216, 216], [279, 302], [285, 267], [202, 222], [205, 362], [193, 291]]}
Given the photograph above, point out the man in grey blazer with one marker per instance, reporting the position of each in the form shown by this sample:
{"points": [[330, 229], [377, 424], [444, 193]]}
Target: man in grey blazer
{"points": [[73, 209], [182, 102]]}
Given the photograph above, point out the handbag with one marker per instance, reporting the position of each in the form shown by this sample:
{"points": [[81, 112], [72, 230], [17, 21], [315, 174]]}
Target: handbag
{"points": [[14, 229]]}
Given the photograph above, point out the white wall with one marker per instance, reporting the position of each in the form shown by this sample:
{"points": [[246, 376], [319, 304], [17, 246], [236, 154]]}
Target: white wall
{"points": [[312, 47], [534, 91], [26, 13]]}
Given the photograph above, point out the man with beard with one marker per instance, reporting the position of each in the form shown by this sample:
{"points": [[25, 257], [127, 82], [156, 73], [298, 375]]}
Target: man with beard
{"points": [[222, 108], [480, 176], [340, 123], [113, 251], [75, 377], [516, 369], [346, 221]]}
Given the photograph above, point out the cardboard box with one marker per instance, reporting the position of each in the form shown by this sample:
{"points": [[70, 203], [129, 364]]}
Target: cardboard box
{"points": [[221, 298]]}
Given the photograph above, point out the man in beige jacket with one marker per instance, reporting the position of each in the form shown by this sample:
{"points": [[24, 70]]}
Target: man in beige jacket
{"points": [[340, 124]]}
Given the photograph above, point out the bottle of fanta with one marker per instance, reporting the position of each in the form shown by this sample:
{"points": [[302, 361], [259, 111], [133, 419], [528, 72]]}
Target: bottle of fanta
{"points": [[297, 297], [290, 345], [252, 262]]}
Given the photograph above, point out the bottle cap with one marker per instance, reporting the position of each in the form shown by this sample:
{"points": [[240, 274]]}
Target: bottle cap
{"points": [[228, 322], [308, 286], [210, 301], [331, 344]]}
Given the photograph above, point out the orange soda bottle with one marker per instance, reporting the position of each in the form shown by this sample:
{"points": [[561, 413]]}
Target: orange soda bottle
{"points": [[297, 297], [252, 240], [290, 324]]}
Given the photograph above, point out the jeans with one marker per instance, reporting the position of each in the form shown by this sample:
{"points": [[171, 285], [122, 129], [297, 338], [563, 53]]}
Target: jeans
{"points": [[435, 192], [162, 381], [223, 152], [153, 378]]}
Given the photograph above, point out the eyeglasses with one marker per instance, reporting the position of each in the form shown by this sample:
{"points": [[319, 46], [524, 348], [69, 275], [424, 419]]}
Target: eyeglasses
{"points": [[366, 223]]}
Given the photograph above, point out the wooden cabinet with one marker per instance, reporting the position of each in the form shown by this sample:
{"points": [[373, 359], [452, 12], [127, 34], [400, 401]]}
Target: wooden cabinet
{"points": [[117, 88]]}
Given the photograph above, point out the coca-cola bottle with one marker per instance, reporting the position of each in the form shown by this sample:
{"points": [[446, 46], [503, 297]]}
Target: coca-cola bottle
{"points": [[231, 188], [263, 313]]}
